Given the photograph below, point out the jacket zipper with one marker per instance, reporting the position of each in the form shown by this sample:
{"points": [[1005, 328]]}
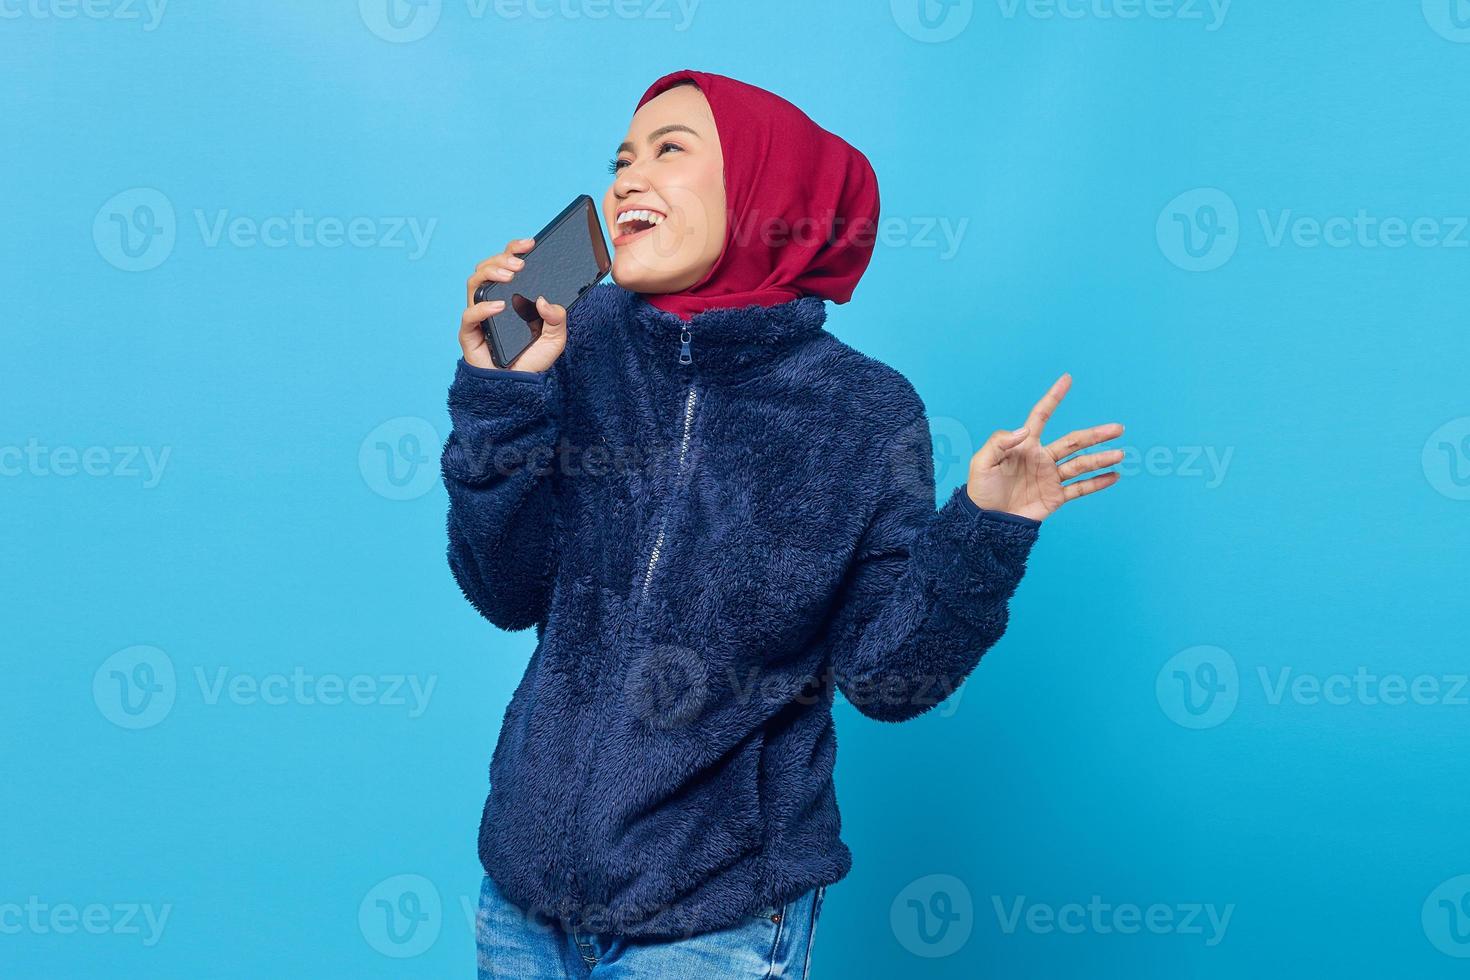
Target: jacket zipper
{"points": [[573, 881], [686, 356]]}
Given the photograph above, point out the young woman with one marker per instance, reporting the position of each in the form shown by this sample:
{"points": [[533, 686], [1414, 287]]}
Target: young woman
{"points": [[715, 514]]}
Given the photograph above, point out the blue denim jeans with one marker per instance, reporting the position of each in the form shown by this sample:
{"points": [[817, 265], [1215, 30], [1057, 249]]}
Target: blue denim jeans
{"points": [[776, 942]]}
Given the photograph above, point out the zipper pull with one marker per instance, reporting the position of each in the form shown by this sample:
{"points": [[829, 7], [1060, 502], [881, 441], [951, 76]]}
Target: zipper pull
{"points": [[685, 357]]}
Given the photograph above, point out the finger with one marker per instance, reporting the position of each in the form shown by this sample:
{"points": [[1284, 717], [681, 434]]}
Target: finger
{"points": [[1041, 413], [1083, 439], [494, 269], [1084, 487], [499, 266], [478, 313], [507, 259], [1086, 464], [471, 331], [488, 272]]}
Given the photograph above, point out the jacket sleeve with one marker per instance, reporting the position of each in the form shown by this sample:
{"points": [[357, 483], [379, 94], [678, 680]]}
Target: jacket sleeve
{"points": [[497, 466], [928, 592]]}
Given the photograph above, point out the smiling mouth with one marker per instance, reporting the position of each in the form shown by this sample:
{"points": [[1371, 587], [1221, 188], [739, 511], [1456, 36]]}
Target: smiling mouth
{"points": [[634, 223]]}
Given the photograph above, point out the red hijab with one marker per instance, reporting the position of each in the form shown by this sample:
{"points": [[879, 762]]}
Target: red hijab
{"points": [[801, 204]]}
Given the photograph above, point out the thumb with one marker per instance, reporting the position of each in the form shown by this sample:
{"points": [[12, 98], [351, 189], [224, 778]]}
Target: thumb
{"points": [[1000, 442], [553, 317]]}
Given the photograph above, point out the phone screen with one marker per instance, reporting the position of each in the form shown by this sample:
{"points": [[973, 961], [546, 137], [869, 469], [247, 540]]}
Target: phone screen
{"points": [[570, 256]]}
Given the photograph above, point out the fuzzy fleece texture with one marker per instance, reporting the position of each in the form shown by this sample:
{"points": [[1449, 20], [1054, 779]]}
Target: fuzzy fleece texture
{"points": [[707, 550]]}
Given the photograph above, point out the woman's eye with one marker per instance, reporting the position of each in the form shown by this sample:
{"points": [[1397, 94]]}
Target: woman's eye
{"points": [[618, 163]]}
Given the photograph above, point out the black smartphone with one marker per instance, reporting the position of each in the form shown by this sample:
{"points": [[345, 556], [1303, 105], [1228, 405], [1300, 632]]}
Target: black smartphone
{"points": [[568, 258]]}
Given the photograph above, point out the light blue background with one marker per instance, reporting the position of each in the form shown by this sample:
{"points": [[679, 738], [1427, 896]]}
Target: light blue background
{"points": [[1332, 538]]}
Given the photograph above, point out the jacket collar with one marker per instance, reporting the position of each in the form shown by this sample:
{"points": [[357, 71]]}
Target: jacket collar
{"points": [[726, 341]]}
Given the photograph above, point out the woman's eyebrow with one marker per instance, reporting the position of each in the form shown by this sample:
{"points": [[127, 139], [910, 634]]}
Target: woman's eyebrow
{"points": [[660, 132]]}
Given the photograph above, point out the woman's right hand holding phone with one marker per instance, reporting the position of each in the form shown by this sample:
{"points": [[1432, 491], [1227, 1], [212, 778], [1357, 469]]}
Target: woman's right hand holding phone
{"points": [[544, 350]]}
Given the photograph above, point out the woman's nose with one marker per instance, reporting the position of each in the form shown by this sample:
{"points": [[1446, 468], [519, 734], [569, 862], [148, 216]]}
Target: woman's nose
{"points": [[629, 181]]}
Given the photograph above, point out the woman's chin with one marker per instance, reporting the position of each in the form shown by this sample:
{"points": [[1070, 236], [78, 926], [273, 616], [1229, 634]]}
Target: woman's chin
{"points": [[635, 281], [636, 277]]}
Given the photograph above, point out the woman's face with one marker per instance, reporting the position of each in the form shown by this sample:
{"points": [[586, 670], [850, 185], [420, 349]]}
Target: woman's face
{"points": [[666, 205]]}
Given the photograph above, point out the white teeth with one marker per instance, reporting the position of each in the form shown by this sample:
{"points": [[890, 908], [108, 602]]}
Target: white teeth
{"points": [[651, 217]]}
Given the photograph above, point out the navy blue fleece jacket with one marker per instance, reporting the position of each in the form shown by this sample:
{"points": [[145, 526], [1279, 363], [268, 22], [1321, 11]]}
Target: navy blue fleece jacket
{"points": [[712, 526]]}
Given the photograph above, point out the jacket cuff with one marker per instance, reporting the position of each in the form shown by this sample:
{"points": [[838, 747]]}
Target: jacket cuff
{"points": [[978, 556], [508, 374], [997, 515], [477, 393]]}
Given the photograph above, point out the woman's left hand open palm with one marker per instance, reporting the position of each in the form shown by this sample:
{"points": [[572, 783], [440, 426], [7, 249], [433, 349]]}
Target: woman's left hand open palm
{"points": [[1017, 473]]}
